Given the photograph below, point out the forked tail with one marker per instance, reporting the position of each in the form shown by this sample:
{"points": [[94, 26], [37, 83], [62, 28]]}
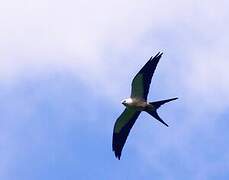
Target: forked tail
{"points": [[156, 105]]}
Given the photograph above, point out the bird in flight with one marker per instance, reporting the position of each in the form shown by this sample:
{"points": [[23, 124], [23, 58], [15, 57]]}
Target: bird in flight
{"points": [[136, 104]]}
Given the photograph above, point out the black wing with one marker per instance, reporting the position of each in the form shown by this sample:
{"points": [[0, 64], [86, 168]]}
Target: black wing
{"points": [[141, 82], [122, 129]]}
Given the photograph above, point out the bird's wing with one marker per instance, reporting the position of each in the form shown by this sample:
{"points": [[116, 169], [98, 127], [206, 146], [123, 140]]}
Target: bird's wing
{"points": [[141, 82], [122, 129]]}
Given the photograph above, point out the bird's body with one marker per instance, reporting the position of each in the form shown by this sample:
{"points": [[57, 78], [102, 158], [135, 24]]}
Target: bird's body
{"points": [[136, 104]]}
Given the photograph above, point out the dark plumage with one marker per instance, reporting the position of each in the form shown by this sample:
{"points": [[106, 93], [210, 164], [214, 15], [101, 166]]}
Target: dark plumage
{"points": [[147, 72], [136, 104]]}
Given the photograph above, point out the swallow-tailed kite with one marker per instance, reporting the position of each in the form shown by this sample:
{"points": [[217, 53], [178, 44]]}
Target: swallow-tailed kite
{"points": [[136, 104]]}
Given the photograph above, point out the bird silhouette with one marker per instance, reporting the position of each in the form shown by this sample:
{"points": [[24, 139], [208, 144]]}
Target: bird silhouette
{"points": [[136, 104]]}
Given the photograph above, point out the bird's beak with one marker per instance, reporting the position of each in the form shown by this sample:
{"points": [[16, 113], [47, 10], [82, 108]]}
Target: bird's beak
{"points": [[122, 102]]}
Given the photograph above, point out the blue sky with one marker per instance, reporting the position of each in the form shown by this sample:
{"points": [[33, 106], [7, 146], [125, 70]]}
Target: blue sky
{"points": [[65, 67]]}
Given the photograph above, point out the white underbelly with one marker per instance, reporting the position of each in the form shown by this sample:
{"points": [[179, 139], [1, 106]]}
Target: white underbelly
{"points": [[138, 105]]}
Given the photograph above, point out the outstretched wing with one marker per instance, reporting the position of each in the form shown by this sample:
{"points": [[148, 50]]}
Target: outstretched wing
{"points": [[141, 82], [122, 129]]}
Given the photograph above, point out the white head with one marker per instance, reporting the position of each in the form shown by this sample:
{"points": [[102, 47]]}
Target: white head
{"points": [[127, 101]]}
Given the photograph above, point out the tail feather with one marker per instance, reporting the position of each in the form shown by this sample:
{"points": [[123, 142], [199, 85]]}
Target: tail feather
{"points": [[157, 104], [156, 116]]}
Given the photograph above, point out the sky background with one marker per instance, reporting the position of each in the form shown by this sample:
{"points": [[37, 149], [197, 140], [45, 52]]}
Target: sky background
{"points": [[66, 65]]}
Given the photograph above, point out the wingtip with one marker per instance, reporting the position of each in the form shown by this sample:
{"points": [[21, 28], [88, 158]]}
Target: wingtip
{"points": [[117, 155], [160, 52], [158, 55]]}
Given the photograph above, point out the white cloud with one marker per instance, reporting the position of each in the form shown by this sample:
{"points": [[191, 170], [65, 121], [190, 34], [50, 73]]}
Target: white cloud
{"points": [[80, 35], [93, 39]]}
